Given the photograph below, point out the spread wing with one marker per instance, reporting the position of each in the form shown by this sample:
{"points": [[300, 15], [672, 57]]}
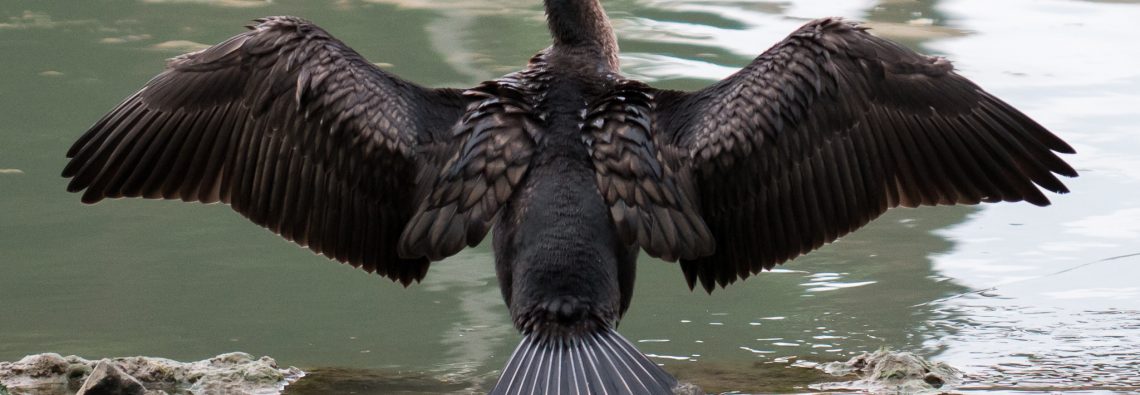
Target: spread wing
{"points": [[292, 129], [830, 128]]}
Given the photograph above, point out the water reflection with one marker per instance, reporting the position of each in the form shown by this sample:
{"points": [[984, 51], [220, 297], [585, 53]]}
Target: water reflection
{"points": [[218, 3], [188, 282], [1066, 270]]}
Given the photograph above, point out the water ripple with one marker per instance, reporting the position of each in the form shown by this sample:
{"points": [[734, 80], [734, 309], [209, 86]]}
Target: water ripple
{"points": [[1013, 345]]}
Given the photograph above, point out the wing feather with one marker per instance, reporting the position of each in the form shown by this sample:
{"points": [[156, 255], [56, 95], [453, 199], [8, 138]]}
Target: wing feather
{"points": [[499, 135], [651, 204], [830, 128], [293, 130]]}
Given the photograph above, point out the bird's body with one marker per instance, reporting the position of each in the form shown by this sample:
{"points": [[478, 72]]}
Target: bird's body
{"points": [[575, 167], [554, 241]]}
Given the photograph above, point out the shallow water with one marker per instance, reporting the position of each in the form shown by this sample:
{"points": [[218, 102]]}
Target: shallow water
{"points": [[1021, 298]]}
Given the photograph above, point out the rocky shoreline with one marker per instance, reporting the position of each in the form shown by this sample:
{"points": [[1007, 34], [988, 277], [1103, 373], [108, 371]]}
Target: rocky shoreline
{"points": [[880, 372], [232, 373]]}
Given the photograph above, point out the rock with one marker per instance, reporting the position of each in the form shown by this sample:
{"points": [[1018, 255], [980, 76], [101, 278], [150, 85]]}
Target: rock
{"points": [[885, 371], [683, 388], [38, 374], [233, 373], [41, 365], [107, 379], [238, 372]]}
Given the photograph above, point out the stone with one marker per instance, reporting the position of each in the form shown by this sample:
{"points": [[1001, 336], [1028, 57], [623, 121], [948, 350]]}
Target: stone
{"points": [[684, 388], [108, 379], [232, 373], [895, 372], [37, 374]]}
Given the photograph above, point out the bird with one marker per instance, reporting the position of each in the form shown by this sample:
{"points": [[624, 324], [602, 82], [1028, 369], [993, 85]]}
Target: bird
{"points": [[575, 167]]}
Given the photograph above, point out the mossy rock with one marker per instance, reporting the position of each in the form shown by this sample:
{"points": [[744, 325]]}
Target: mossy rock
{"points": [[897, 372]]}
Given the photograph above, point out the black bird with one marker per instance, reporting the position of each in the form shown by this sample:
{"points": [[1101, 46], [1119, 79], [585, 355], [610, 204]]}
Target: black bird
{"points": [[576, 166]]}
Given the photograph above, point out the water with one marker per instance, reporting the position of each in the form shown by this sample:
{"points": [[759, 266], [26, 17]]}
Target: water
{"points": [[1021, 298]]}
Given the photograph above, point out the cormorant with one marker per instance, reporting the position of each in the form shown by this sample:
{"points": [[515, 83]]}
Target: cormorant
{"points": [[576, 166]]}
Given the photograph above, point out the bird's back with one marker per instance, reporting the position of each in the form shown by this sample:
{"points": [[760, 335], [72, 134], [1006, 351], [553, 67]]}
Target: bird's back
{"points": [[556, 246]]}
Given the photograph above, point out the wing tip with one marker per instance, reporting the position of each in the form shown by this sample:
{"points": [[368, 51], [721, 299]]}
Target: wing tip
{"points": [[1063, 147], [91, 199]]}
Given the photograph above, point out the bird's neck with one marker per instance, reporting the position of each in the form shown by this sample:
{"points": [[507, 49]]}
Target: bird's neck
{"points": [[582, 28]]}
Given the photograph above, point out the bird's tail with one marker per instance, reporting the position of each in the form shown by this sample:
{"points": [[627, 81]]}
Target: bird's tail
{"points": [[599, 363]]}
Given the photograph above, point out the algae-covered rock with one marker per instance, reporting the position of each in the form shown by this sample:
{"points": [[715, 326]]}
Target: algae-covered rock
{"points": [[233, 373], [236, 372], [885, 371]]}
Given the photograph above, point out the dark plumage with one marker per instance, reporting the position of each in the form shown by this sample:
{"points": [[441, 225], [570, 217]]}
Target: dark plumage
{"points": [[575, 166]]}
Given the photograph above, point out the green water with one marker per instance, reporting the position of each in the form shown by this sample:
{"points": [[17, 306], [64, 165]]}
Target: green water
{"points": [[135, 277]]}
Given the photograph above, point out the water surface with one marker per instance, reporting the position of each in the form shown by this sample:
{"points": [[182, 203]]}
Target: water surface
{"points": [[1021, 298]]}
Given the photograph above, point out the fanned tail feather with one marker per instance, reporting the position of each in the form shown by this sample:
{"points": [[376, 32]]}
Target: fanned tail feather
{"points": [[598, 363]]}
